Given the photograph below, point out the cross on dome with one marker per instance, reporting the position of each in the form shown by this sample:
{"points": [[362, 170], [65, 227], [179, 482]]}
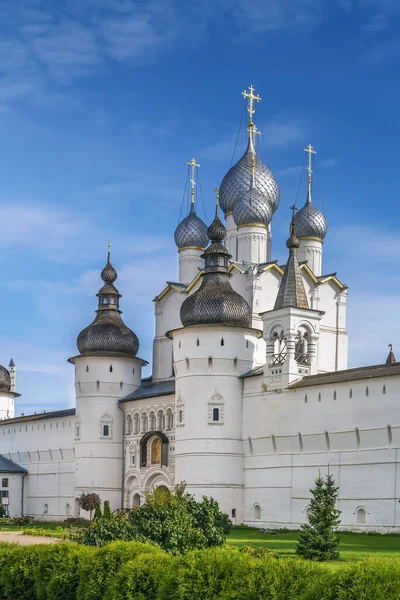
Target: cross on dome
{"points": [[192, 163], [252, 98]]}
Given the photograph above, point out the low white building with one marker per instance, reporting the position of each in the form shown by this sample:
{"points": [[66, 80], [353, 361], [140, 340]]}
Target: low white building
{"points": [[250, 397]]}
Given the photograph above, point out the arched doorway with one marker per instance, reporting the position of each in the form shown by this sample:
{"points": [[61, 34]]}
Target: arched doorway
{"points": [[136, 500], [158, 449]]}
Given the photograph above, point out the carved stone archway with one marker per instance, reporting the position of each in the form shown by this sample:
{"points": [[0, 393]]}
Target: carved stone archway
{"points": [[164, 447]]}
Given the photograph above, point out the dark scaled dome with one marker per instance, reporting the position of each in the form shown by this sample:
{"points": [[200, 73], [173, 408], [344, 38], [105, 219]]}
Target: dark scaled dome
{"points": [[5, 381], [216, 302], [310, 222], [191, 231], [108, 333], [237, 182], [252, 209]]}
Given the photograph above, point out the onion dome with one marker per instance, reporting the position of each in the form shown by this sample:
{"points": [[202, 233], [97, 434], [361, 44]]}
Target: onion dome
{"points": [[108, 333], [237, 181], [5, 381], [191, 231], [310, 222], [216, 302], [252, 209]]}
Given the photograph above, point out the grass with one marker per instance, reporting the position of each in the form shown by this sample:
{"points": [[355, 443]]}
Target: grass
{"points": [[353, 546], [47, 525]]}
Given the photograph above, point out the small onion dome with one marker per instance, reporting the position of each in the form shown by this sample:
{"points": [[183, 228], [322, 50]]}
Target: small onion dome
{"points": [[310, 222], [252, 209], [191, 231], [108, 333], [216, 302], [5, 382], [217, 231], [237, 181]]}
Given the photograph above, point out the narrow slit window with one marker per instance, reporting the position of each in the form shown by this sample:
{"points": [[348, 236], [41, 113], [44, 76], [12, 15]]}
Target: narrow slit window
{"points": [[215, 414]]}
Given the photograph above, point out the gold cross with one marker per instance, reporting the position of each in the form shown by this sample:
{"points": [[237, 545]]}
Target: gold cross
{"points": [[109, 250], [310, 151], [252, 98], [192, 163]]}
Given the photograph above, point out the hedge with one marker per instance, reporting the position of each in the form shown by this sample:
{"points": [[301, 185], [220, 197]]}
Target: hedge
{"points": [[135, 571]]}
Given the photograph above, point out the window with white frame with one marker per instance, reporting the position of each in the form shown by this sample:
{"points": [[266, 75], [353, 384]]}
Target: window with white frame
{"points": [[216, 409], [180, 411], [106, 426]]}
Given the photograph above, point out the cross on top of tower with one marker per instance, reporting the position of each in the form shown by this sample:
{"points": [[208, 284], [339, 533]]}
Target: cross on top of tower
{"points": [[192, 163], [252, 98], [310, 151]]}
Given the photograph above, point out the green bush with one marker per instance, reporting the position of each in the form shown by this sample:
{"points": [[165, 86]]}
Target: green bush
{"points": [[103, 531], [103, 565], [371, 579], [17, 573], [50, 561], [141, 579], [97, 513], [64, 582], [107, 510]]}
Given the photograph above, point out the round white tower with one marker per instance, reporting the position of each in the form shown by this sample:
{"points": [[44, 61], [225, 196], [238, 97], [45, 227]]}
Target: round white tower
{"points": [[310, 226], [215, 346], [7, 391], [191, 238], [106, 370]]}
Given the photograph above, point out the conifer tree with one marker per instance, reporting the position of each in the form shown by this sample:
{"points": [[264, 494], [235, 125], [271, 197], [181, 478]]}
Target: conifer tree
{"points": [[97, 513], [107, 511], [318, 539]]}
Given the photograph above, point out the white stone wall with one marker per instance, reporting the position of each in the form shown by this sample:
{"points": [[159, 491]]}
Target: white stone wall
{"points": [[45, 447], [352, 429], [7, 405]]}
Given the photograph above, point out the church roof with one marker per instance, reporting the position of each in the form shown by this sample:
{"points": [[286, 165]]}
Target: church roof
{"points": [[8, 466], [151, 389], [348, 375], [67, 412], [291, 290]]}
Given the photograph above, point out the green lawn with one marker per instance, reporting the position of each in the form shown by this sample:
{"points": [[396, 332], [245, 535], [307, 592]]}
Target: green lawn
{"points": [[353, 546], [39, 526]]}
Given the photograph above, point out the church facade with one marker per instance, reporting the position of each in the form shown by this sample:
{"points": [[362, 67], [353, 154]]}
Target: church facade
{"points": [[250, 396]]}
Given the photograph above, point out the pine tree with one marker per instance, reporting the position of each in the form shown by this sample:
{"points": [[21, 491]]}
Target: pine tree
{"points": [[97, 513], [107, 511], [318, 539]]}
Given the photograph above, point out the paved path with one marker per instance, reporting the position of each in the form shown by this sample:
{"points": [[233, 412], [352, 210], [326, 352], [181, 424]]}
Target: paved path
{"points": [[24, 540]]}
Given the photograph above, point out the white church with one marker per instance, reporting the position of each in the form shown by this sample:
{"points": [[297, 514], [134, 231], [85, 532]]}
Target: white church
{"points": [[250, 397]]}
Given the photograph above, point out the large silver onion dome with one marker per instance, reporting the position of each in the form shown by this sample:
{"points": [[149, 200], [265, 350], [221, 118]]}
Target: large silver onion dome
{"points": [[108, 333], [237, 181], [216, 302], [252, 208], [5, 382], [310, 222], [191, 231]]}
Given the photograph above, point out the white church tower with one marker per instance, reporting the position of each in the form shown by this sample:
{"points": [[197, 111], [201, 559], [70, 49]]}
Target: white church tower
{"points": [[214, 347], [106, 370], [7, 391], [248, 237]]}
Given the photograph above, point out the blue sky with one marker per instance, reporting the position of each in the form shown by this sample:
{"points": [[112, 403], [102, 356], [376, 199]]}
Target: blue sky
{"points": [[102, 102]]}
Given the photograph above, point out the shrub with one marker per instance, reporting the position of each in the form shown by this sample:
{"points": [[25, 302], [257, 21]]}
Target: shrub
{"points": [[371, 579], [17, 573], [140, 579], [103, 531], [88, 501], [97, 513], [50, 561], [103, 565], [64, 581]]}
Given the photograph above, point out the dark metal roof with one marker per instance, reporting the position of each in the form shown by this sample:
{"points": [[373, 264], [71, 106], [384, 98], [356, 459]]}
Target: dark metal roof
{"points": [[5, 381], [253, 373], [348, 375], [310, 222], [8, 466], [67, 412], [150, 389], [291, 290]]}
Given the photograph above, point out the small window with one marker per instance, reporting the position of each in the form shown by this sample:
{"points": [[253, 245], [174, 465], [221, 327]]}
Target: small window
{"points": [[197, 342], [4, 482], [67, 509], [133, 371], [210, 364], [233, 513], [98, 385], [180, 416], [133, 460], [215, 414], [222, 341], [111, 369], [106, 430], [334, 395], [247, 343], [319, 397], [384, 389], [78, 431], [87, 368], [350, 393], [179, 345], [46, 509], [367, 391], [306, 398], [361, 515], [257, 512]]}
